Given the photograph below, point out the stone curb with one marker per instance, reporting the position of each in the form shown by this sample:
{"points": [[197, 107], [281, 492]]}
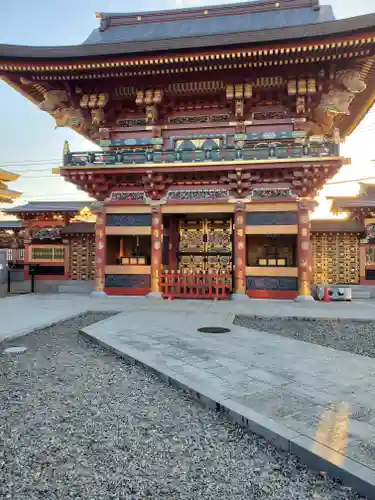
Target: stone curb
{"points": [[39, 326], [354, 474], [303, 318]]}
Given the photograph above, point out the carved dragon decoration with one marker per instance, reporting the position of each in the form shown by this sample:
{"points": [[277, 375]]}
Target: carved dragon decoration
{"points": [[57, 104], [336, 101]]}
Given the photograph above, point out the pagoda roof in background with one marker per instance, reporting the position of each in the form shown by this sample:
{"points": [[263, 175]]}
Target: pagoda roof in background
{"points": [[48, 207], [364, 199], [336, 226], [10, 224], [202, 27], [7, 195]]}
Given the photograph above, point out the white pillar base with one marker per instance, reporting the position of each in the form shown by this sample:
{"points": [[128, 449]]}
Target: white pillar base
{"points": [[239, 296], [304, 298], [98, 293], [155, 295]]}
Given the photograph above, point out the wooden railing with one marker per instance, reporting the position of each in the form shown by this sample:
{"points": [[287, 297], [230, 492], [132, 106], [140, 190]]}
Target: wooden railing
{"points": [[47, 253], [196, 286], [264, 151]]}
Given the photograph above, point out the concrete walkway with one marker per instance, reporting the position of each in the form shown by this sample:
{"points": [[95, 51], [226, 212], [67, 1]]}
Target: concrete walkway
{"points": [[24, 313], [289, 381]]}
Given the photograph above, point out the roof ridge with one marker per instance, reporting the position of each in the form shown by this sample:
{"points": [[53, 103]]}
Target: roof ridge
{"points": [[132, 18]]}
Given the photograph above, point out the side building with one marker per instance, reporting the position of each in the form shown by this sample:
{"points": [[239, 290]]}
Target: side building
{"points": [[218, 127], [56, 240], [361, 210]]}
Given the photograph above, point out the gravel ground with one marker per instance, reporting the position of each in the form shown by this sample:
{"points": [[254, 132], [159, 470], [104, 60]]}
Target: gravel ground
{"points": [[78, 422], [357, 337]]}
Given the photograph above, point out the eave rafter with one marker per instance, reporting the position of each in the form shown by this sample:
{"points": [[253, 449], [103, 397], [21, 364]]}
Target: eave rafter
{"points": [[303, 179], [343, 47]]}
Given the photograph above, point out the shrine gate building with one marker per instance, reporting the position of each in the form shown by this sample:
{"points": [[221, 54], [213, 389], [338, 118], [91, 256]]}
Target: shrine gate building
{"points": [[218, 127]]}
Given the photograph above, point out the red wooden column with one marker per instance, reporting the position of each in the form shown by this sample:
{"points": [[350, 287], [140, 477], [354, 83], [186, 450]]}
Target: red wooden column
{"points": [[100, 252], [304, 256], [362, 262], [67, 270], [156, 251], [173, 244], [27, 249], [239, 253]]}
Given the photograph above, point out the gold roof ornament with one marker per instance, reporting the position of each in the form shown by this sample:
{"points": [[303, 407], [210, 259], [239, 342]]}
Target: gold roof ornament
{"points": [[84, 215]]}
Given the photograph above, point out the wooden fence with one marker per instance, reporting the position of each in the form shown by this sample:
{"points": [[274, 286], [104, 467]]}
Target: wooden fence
{"points": [[196, 286]]}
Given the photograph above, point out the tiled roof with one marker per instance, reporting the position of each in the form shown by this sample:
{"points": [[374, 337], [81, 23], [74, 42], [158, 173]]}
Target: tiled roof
{"points": [[10, 224], [226, 22], [337, 226], [49, 206], [232, 25], [78, 228]]}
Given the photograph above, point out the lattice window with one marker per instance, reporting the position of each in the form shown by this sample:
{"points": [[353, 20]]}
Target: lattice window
{"points": [[335, 258], [82, 257]]}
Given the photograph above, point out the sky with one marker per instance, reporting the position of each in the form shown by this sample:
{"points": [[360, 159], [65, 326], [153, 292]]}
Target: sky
{"points": [[31, 146]]}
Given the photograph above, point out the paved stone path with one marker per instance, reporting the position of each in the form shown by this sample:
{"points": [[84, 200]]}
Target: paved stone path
{"points": [[289, 381], [24, 313]]}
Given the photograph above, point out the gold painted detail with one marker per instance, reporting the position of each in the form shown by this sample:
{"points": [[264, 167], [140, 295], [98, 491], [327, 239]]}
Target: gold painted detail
{"points": [[183, 88], [205, 246], [335, 258], [179, 120], [82, 257]]}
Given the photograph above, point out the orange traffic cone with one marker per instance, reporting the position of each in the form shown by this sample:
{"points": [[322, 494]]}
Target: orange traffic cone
{"points": [[326, 296]]}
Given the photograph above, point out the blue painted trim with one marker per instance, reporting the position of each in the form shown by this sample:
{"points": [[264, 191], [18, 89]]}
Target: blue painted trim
{"points": [[271, 218], [129, 220], [271, 283], [127, 281], [133, 142], [174, 138]]}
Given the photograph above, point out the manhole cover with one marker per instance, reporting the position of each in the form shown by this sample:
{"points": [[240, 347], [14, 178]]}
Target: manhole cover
{"points": [[213, 329], [15, 350]]}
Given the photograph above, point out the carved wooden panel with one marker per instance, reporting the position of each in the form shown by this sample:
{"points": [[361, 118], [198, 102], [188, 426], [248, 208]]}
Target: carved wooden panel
{"points": [[82, 257], [128, 281], [335, 258], [129, 220], [271, 218]]}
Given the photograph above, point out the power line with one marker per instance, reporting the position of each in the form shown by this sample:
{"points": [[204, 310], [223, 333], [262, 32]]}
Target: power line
{"points": [[26, 162], [351, 180]]}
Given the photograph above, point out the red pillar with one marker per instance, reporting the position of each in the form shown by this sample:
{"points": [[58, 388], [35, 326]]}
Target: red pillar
{"points": [[100, 252], [304, 249], [156, 251], [27, 249], [362, 263], [173, 243], [67, 270], [239, 252]]}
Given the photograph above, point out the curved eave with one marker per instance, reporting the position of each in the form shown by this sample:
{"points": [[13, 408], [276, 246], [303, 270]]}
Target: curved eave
{"points": [[348, 205], [340, 27], [7, 176], [13, 195]]}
